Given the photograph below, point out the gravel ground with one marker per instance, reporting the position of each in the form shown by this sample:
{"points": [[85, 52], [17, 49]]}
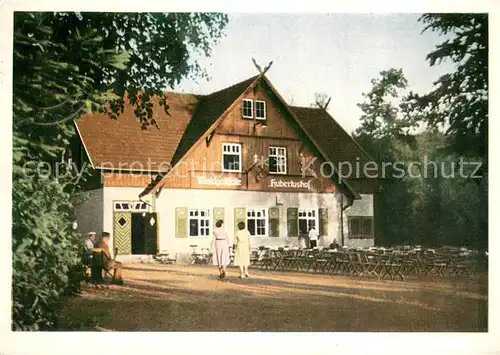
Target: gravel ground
{"points": [[159, 297]]}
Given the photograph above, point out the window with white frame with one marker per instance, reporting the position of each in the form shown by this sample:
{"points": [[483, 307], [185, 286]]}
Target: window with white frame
{"points": [[231, 157], [260, 110], [199, 222], [257, 222], [307, 219], [247, 108], [277, 160]]}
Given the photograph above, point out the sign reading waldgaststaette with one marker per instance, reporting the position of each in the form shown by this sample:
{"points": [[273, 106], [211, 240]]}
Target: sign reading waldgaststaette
{"points": [[218, 181]]}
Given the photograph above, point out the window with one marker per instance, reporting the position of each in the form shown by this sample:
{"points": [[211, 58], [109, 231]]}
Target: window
{"points": [[257, 222], [199, 223], [307, 219], [260, 110], [277, 160], [231, 157], [360, 227], [247, 108], [131, 206]]}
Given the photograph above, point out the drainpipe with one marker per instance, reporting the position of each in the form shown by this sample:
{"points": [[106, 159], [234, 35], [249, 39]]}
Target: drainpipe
{"points": [[350, 201]]}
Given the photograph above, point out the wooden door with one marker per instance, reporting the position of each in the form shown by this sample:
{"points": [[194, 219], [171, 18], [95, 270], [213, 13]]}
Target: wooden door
{"points": [[151, 233], [123, 232]]}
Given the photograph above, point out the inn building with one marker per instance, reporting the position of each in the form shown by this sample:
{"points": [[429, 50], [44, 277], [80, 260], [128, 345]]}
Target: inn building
{"points": [[238, 154]]}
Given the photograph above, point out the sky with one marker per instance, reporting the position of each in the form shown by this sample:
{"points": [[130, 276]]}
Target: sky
{"points": [[336, 54]]}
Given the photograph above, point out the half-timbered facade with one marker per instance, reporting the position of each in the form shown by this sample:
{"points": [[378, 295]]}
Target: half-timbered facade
{"points": [[239, 154]]}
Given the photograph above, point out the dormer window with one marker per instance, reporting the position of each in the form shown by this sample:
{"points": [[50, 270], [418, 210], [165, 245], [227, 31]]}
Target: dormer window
{"points": [[247, 108], [260, 110]]}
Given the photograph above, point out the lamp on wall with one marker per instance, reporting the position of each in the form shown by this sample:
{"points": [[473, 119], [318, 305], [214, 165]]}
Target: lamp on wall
{"points": [[259, 123], [279, 201]]}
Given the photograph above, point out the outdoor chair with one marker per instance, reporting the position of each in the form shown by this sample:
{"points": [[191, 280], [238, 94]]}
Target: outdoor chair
{"points": [[392, 265], [370, 263], [266, 259], [254, 257], [320, 261], [102, 266], [165, 257]]}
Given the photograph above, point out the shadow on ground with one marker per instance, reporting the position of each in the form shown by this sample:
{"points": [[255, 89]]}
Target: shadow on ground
{"points": [[192, 298]]}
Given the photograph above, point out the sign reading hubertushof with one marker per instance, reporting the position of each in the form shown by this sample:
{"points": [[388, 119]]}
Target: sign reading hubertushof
{"points": [[291, 184]]}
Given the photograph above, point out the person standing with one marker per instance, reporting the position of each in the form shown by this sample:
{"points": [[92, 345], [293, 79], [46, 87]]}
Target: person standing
{"points": [[220, 248], [242, 249], [313, 237]]}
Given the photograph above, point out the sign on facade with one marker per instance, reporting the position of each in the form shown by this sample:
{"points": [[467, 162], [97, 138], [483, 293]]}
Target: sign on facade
{"points": [[289, 184], [218, 181]]}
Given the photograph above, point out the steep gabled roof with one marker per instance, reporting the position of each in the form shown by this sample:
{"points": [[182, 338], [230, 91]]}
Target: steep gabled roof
{"points": [[122, 144], [209, 109], [333, 139]]}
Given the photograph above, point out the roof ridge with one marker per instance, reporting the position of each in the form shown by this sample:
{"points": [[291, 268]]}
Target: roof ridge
{"points": [[212, 93], [341, 128], [232, 86], [308, 107]]}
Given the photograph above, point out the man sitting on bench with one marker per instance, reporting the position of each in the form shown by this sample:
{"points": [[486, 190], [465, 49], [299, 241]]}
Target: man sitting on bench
{"points": [[109, 262]]}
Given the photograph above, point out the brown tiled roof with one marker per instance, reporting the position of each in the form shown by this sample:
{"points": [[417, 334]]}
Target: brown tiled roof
{"points": [[331, 137], [121, 144], [210, 108]]}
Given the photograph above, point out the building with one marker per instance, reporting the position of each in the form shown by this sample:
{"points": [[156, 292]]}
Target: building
{"points": [[238, 154]]}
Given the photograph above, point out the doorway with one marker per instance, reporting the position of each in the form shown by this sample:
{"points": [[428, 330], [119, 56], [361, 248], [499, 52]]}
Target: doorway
{"points": [[144, 233]]}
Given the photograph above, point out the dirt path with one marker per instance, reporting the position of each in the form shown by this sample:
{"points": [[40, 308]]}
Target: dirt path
{"points": [[192, 298]]}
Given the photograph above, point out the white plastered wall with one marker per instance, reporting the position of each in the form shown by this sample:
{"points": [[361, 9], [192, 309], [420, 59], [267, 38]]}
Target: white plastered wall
{"points": [[362, 207], [169, 199]]}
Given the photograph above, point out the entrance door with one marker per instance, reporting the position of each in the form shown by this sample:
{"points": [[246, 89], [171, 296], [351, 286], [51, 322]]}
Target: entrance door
{"points": [[144, 233], [122, 231]]}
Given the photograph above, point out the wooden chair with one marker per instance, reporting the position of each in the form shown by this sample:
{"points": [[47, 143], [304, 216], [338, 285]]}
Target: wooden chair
{"points": [[102, 265]]}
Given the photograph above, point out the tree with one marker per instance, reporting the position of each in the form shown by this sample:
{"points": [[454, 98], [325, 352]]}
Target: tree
{"points": [[384, 107], [459, 101], [67, 64], [431, 204]]}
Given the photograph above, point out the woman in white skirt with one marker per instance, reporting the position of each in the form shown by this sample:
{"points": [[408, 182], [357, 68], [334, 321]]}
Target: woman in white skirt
{"points": [[242, 249], [220, 248]]}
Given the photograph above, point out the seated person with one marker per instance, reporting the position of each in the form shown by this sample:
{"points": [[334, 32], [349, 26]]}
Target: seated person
{"points": [[335, 245], [88, 245], [109, 262]]}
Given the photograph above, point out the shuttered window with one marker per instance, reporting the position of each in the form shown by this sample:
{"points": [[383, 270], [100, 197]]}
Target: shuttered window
{"points": [[274, 222], [361, 227], [181, 222], [257, 222], [323, 221], [307, 220], [239, 216], [292, 222], [199, 222]]}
